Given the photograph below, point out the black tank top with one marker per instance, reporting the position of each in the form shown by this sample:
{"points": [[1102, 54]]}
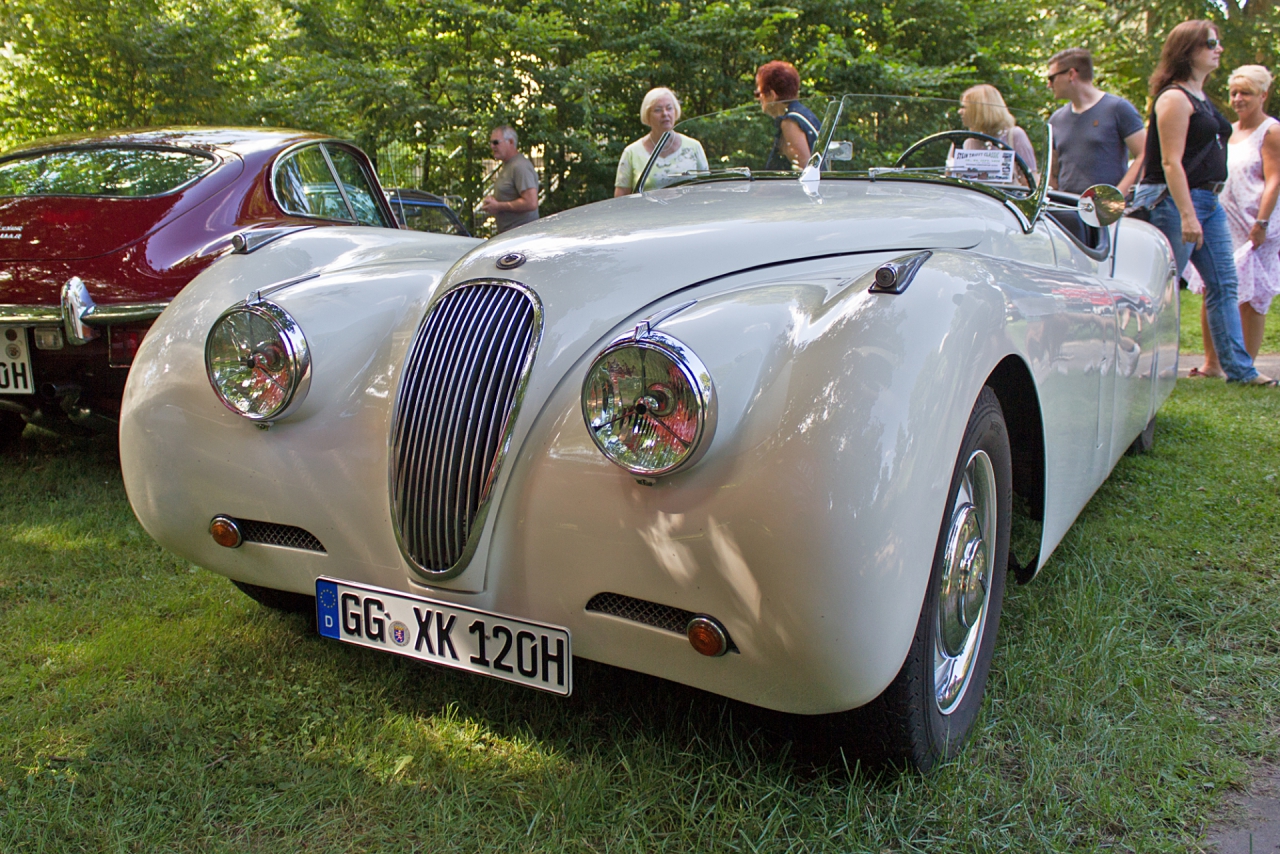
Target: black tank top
{"points": [[1207, 127]]}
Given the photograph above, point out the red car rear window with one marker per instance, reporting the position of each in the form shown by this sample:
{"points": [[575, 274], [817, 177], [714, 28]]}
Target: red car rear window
{"points": [[129, 172]]}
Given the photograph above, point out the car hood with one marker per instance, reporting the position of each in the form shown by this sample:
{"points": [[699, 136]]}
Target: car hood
{"points": [[596, 266], [653, 244], [73, 228]]}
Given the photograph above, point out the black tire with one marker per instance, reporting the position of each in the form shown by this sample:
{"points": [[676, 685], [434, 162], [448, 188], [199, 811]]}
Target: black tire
{"points": [[1145, 441], [279, 600], [11, 427], [922, 724]]}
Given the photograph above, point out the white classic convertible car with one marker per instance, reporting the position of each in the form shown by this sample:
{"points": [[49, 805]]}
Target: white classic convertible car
{"points": [[756, 432]]}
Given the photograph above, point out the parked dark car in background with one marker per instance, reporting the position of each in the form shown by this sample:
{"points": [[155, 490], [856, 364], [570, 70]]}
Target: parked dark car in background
{"points": [[99, 232], [423, 211]]}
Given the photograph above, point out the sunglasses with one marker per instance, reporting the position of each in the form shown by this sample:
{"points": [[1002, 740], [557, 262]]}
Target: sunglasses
{"points": [[1049, 78], [495, 142], [1212, 43]]}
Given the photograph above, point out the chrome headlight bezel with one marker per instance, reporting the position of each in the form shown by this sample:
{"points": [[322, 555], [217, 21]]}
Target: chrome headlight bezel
{"points": [[695, 375], [293, 348]]}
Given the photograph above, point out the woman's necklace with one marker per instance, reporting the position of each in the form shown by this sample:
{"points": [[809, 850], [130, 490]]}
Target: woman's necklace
{"points": [[667, 150]]}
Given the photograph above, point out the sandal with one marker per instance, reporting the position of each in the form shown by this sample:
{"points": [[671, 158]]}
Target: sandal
{"points": [[1263, 382], [1196, 373]]}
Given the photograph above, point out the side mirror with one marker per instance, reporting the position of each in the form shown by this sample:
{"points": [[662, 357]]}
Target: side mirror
{"points": [[1100, 205], [840, 150]]}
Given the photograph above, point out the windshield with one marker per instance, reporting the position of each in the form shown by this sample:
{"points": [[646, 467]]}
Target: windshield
{"points": [[126, 171], [979, 142], [744, 141]]}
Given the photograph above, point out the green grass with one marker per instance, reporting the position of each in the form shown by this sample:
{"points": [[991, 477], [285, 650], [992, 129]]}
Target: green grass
{"points": [[146, 705], [1193, 340]]}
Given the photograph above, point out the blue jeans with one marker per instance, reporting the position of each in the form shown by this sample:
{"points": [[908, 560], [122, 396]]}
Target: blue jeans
{"points": [[1215, 262]]}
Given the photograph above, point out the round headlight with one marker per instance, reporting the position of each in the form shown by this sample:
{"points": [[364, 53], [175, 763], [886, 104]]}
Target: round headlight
{"points": [[649, 404], [257, 361]]}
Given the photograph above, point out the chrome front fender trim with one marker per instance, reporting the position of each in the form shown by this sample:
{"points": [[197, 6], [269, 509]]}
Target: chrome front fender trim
{"points": [[247, 241]]}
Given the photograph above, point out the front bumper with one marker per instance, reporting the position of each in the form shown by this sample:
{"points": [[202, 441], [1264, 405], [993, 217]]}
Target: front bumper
{"points": [[79, 316], [80, 376]]}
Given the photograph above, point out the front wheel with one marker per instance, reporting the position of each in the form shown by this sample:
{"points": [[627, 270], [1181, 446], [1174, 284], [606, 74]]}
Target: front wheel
{"points": [[931, 705]]}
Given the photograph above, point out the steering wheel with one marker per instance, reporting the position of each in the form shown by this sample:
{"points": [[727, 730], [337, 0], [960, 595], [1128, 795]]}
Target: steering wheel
{"points": [[961, 136]]}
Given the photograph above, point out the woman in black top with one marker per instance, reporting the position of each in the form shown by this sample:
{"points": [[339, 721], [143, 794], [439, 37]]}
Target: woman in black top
{"points": [[1186, 164]]}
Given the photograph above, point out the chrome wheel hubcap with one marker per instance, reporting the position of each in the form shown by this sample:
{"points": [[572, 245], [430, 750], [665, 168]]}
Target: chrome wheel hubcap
{"points": [[965, 588]]}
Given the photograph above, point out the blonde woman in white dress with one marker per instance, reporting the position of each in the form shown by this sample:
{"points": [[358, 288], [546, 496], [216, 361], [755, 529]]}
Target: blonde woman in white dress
{"points": [[1249, 200], [660, 110]]}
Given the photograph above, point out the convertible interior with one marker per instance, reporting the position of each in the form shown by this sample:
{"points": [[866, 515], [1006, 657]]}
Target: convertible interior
{"points": [[1096, 242]]}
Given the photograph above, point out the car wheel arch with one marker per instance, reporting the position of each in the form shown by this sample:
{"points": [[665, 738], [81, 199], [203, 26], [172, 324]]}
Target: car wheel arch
{"points": [[1012, 382]]}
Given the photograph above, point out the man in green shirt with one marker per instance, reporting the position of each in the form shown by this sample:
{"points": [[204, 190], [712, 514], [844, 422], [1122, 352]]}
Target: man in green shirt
{"points": [[515, 189]]}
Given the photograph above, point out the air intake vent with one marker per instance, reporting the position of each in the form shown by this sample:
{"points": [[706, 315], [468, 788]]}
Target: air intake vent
{"points": [[458, 397], [271, 534], [639, 611]]}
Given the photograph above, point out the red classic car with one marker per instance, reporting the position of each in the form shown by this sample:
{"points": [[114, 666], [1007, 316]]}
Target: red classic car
{"points": [[98, 233]]}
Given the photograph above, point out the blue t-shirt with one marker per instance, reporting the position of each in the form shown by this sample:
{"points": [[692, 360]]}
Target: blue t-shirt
{"points": [[1089, 146]]}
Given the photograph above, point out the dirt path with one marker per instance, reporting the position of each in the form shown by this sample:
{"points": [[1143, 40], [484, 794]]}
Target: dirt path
{"points": [[1252, 822], [1266, 363]]}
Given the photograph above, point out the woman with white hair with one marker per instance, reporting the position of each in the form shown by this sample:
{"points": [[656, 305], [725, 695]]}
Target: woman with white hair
{"points": [[982, 109], [1249, 200], [660, 110]]}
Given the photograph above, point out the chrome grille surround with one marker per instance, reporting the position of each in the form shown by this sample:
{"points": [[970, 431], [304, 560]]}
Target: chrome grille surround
{"points": [[460, 391]]}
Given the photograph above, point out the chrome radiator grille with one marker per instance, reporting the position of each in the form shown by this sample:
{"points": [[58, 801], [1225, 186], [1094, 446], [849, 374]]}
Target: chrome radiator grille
{"points": [[458, 396]]}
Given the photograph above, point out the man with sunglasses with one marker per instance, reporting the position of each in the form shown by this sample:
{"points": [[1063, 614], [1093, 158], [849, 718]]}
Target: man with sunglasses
{"points": [[515, 188], [1096, 134]]}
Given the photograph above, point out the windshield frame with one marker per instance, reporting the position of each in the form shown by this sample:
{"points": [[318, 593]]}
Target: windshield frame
{"points": [[1027, 207], [731, 172]]}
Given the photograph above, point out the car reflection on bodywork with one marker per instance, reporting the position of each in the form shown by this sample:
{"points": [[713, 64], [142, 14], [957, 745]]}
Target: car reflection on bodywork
{"points": [[423, 211]]}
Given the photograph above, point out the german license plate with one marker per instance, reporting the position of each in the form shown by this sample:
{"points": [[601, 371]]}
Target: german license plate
{"points": [[15, 361], [533, 654]]}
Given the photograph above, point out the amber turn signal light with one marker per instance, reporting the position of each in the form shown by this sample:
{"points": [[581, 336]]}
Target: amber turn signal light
{"points": [[707, 636], [225, 532]]}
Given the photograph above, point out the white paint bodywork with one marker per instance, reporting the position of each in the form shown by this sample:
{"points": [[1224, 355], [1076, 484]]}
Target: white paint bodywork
{"points": [[809, 526]]}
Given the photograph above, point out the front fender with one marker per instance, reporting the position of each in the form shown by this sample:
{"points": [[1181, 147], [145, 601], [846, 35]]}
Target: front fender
{"points": [[809, 526], [185, 456]]}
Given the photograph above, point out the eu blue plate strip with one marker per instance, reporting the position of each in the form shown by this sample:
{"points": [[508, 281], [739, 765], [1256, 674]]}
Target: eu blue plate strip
{"points": [[327, 608]]}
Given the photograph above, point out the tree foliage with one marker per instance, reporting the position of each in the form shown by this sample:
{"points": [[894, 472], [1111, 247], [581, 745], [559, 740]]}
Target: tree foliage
{"points": [[432, 76], [1126, 36], [76, 65]]}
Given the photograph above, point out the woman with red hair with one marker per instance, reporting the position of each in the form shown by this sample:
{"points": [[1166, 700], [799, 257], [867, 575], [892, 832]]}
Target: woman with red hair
{"points": [[778, 90]]}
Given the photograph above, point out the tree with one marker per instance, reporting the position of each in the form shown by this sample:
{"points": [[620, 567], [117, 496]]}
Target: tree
{"points": [[79, 65]]}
